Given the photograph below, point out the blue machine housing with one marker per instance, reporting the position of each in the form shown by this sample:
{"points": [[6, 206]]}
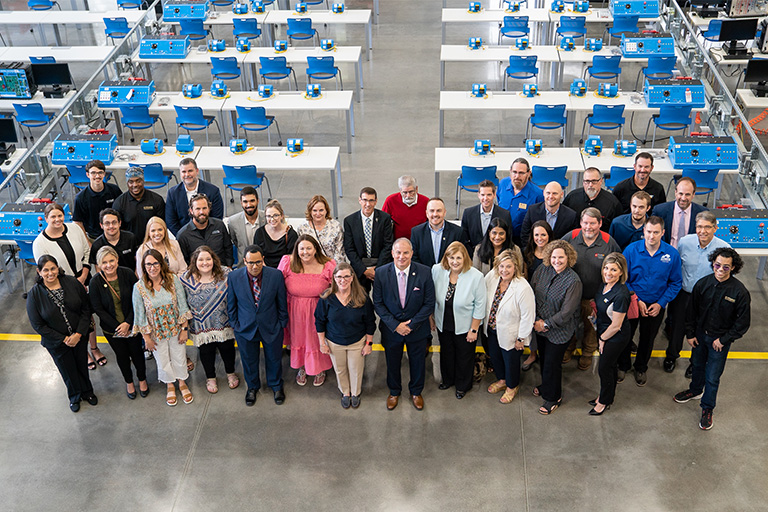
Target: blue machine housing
{"points": [[239, 8], [151, 146], [475, 43], [479, 90], [674, 92], [533, 146], [607, 90], [238, 145], [185, 144], [192, 91], [257, 6], [647, 45], [243, 44], [327, 44], [567, 44], [482, 146], [475, 7], [23, 222], [126, 93], [530, 90], [295, 145], [578, 87], [593, 44], [265, 90], [81, 149], [624, 147], [337, 8], [742, 228], [522, 43], [175, 10], [593, 145], [557, 6], [703, 153], [217, 45], [642, 8], [219, 89], [168, 46], [581, 5], [313, 90]]}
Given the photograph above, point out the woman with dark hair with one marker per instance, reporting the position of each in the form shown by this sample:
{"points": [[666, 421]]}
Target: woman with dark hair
{"points": [[276, 238], [111, 292], [59, 311], [308, 273], [541, 235], [161, 315], [324, 228], [205, 282], [498, 238], [557, 288], [345, 324]]}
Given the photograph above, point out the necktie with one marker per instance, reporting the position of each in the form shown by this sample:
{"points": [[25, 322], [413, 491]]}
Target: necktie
{"points": [[256, 292], [681, 230], [368, 231], [401, 287]]}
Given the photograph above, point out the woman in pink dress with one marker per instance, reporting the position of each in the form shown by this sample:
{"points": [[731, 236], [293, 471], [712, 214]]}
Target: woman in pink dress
{"points": [[308, 273]]}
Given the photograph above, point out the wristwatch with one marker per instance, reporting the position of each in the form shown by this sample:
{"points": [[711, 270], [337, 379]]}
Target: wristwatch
{"points": [[369, 343], [473, 331], [185, 328]]}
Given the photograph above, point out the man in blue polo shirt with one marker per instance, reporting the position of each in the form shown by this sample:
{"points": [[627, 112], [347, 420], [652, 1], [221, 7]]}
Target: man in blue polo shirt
{"points": [[516, 193], [655, 277], [628, 228]]}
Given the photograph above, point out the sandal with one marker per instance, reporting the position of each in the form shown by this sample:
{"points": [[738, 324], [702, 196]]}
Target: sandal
{"points": [[536, 391], [91, 365], [170, 397], [186, 395], [190, 365], [211, 385], [301, 377], [319, 379], [233, 380], [101, 361], [496, 387], [509, 395], [549, 407]]}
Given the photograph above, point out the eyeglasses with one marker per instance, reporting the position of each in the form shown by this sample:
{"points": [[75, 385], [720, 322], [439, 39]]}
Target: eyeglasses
{"points": [[271, 217], [152, 265], [343, 278], [96, 173], [724, 268], [592, 182], [254, 263]]}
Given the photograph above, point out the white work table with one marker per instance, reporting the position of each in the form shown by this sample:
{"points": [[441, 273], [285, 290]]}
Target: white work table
{"points": [[56, 18], [537, 16], [169, 159], [198, 57]]}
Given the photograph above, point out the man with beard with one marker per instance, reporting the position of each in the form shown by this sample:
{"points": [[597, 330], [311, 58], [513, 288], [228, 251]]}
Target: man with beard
{"points": [[205, 230], [123, 242], [407, 208], [138, 204], [431, 239], [242, 226], [559, 217], [640, 181], [593, 195], [628, 228], [517, 193], [177, 211]]}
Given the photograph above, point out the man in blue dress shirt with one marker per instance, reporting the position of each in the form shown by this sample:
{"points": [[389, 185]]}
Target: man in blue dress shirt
{"points": [[628, 228], [516, 193]]}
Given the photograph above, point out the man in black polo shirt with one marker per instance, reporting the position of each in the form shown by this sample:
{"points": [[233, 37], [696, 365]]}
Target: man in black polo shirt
{"points": [[121, 241], [94, 198], [640, 181], [138, 205], [594, 195], [205, 230]]}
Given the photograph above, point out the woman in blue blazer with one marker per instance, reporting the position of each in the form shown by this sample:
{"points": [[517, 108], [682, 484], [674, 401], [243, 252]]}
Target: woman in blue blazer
{"points": [[459, 311]]}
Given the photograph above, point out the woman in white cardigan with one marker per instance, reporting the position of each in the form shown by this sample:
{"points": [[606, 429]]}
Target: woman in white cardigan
{"points": [[510, 313], [459, 311]]}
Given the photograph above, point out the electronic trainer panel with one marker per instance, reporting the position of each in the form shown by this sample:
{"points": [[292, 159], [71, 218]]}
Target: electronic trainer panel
{"points": [[642, 8], [742, 228], [703, 153], [126, 93], [16, 84], [24, 222], [647, 45], [746, 8], [167, 46], [674, 92], [81, 149], [175, 10]]}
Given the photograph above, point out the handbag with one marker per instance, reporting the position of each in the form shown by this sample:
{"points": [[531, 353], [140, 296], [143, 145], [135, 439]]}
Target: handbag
{"points": [[633, 312]]}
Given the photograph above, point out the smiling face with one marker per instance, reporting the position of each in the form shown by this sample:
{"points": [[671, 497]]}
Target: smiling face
{"points": [[611, 273], [200, 211], [486, 196], [250, 204], [96, 177], [592, 183], [204, 262], [590, 227], [55, 219], [540, 236], [156, 233], [189, 175], [506, 270], [402, 252], [49, 273], [152, 267], [643, 168], [456, 261], [136, 186], [274, 217], [705, 230], [436, 213], [722, 267], [497, 236], [254, 263], [306, 252], [409, 194], [553, 194], [343, 280], [684, 194], [519, 174], [367, 203], [109, 265], [111, 225], [318, 213], [559, 260]]}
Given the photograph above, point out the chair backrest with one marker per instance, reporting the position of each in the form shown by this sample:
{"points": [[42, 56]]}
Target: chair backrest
{"points": [[515, 26], [572, 25], [607, 114], [252, 115], [273, 65], [541, 175], [705, 179], [549, 114], [224, 62], [154, 177], [247, 173], [673, 114], [42, 60], [659, 65], [713, 30], [116, 25], [523, 62], [618, 174], [77, 175], [245, 26], [29, 112], [192, 27], [189, 114], [606, 64], [25, 251], [473, 176], [135, 114], [624, 24], [321, 63], [300, 26]]}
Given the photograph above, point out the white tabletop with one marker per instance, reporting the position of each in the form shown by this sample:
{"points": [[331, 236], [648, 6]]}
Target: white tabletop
{"points": [[315, 158], [299, 54], [451, 159], [60, 53], [290, 100], [226, 17], [748, 99], [195, 56], [165, 102], [49, 104], [133, 155], [579, 54], [462, 53], [349, 16], [463, 100], [607, 159], [90, 17], [462, 15], [592, 15]]}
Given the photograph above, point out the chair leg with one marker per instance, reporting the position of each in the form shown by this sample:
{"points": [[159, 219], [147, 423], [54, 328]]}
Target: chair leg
{"points": [[295, 82], [458, 196], [162, 125], [653, 140], [269, 189], [341, 80], [279, 135]]}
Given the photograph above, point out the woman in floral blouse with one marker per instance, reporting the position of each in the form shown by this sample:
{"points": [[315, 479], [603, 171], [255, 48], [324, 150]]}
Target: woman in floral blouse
{"points": [[326, 230]]}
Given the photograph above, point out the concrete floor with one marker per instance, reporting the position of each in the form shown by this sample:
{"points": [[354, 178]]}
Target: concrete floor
{"points": [[645, 454]]}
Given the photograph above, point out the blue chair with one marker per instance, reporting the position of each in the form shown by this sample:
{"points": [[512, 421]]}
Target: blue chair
{"points": [[77, 177], [507, 4], [222, 3], [116, 28], [573, 26], [521, 67], [246, 27], [301, 29], [658, 67], [276, 68], [541, 175], [42, 60], [547, 117], [712, 33], [224, 68], [194, 29], [622, 25], [26, 255], [129, 4], [31, 115], [138, 118], [471, 177], [604, 117], [192, 119], [324, 68], [154, 176], [706, 182], [317, 2], [237, 177], [42, 5], [617, 175], [255, 119], [669, 118], [514, 26], [604, 68]]}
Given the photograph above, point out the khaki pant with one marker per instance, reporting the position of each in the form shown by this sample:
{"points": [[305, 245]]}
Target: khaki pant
{"points": [[348, 363], [588, 336]]}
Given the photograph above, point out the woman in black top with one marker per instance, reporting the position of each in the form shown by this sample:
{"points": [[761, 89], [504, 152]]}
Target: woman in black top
{"points": [[111, 293], [345, 324], [59, 311], [541, 235], [276, 238], [612, 325]]}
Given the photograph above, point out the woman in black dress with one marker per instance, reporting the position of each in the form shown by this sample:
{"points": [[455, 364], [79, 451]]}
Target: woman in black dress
{"points": [[276, 238]]}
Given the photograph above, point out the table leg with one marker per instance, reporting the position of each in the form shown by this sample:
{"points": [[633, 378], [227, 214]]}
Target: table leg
{"points": [[442, 75], [376, 11], [338, 178], [44, 39], [761, 267], [5, 268], [369, 37], [437, 184], [441, 128], [569, 119], [358, 78], [443, 29], [335, 199], [350, 129]]}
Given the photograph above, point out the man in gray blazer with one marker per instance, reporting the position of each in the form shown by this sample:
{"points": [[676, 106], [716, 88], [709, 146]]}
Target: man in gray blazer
{"points": [[242, 226]]}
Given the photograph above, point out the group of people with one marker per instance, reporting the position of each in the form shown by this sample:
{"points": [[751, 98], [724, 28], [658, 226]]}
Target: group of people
{"points": [[524, 268]]}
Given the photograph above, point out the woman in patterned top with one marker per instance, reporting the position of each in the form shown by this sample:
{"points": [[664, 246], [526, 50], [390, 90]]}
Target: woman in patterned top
{"points": [[205, 282], [161, 315], [323, 228]]}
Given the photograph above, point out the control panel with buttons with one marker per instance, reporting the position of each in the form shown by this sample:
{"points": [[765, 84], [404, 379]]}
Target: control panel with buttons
{"points": [[640, 45], [742, 228], [166, 46], [642, 8], [25, 221], [677, 92], [81, 149], [126, 93], [703, 153]]}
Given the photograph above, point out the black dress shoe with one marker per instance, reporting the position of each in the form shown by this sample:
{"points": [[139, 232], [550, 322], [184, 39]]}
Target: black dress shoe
{"points": [[144, 393], [92, 399], [132, 396], [593, 412], [250, 397], [443, 386], [460, 394], [669, 365], [689, 371], [74, 406], [279, 397], [593, 402]]}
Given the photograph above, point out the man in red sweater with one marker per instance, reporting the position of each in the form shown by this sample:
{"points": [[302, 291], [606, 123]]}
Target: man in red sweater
{"points": [[407, 208]]}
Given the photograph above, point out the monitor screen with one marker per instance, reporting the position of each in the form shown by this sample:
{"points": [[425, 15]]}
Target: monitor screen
{"points": [[738, 30], [757, 71], [51, 74], [8, 131]]}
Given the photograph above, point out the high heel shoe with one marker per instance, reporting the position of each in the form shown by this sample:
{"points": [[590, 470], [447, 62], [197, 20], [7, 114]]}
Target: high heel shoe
{"points": [[593, 402], [593, 412]]}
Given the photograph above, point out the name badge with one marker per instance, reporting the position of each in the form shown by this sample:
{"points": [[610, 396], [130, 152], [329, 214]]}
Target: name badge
{"points": [[729, 299], [522, 206], [149, 208], [217, 232]]}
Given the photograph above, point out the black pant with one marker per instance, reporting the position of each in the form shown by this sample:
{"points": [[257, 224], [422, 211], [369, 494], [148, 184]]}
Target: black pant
{"points": [[676, 315], [551, 355], [649, 328], [417, 360], [127, 350], [608, 369], [506, 363], [72, 363], [208, 357], [457, 360]]}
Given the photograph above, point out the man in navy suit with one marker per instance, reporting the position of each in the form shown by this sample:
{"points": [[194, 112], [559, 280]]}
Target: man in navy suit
{"points": [[679, 215], [177, 201], [560, 218], [258, 312], [368, 238], [476, 219], [404, 298], [432, 238]]}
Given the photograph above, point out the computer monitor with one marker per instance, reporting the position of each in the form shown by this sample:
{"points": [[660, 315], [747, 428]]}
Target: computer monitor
{"points": [[53, 79], [8, 133], [757, 71], [734, 31]]}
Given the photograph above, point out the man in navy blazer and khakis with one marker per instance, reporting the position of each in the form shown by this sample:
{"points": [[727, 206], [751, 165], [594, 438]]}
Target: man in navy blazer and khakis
{"points": [[404, 298], [432, 238]]}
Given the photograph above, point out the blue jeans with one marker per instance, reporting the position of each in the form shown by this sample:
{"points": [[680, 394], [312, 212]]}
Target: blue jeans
{"points": [[708, 366]]}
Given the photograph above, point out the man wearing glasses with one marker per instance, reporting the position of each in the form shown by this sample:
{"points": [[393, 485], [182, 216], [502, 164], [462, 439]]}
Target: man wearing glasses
{"points": [[258, 313], [517, 193], [593, 195], [92, 199], [407, 208], [718, 314], [368, 238]]}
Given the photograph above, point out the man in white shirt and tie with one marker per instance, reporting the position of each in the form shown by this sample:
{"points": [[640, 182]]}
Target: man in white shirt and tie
{"points": [[368, 238]]}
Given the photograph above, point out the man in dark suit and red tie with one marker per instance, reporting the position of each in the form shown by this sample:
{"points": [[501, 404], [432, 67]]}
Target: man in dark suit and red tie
{"points": [[258, 312], [404, 298]]}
